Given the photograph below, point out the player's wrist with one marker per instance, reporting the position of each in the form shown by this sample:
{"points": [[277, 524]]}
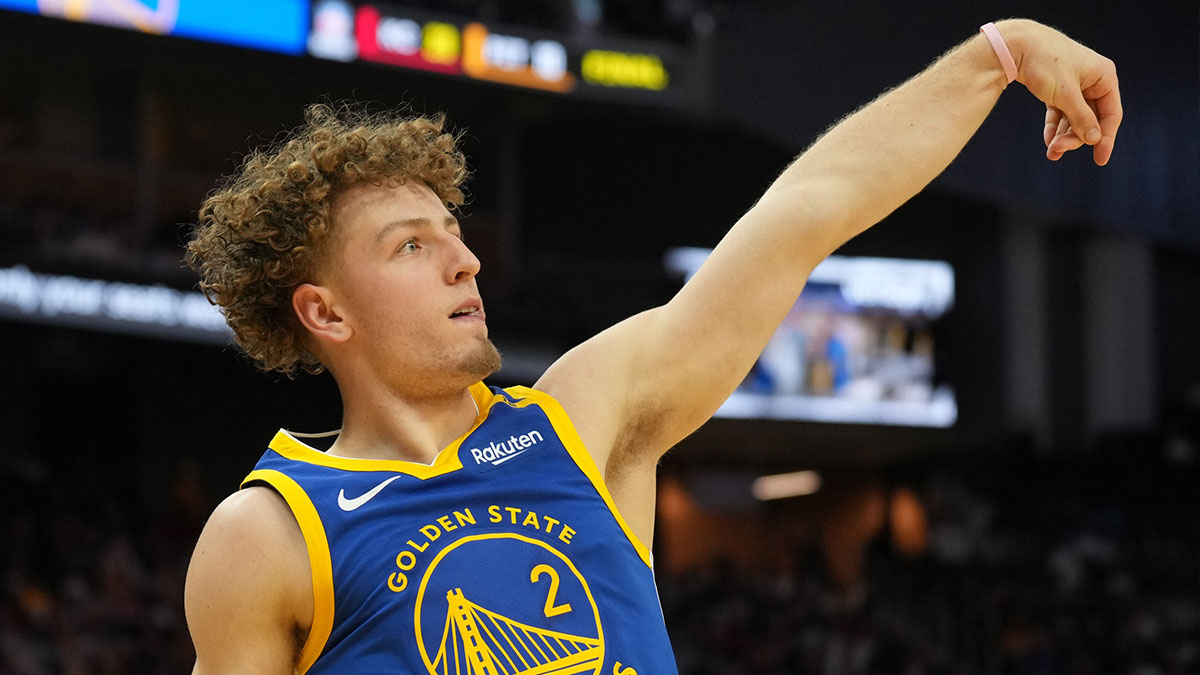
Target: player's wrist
{"points": [[1000, 49], [1016, 35]]}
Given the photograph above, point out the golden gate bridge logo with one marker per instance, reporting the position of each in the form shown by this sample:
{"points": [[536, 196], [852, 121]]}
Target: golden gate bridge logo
{"points": [[532, 612], [477, 641]]}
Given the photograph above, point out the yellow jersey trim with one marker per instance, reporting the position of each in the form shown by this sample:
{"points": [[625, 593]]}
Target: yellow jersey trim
{"points": [[583, 459], [446, 461], [318, 559]]}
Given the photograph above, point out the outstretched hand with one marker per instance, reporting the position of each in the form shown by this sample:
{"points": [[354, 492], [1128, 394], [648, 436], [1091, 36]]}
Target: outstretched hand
{"points": [[1078, 86]]}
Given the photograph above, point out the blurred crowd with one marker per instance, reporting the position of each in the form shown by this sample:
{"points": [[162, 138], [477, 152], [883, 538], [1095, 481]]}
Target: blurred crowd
{"points": [[92, 584], [1106, 589]]}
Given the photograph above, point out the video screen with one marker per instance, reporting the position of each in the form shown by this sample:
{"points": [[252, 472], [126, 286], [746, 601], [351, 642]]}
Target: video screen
{"points": [[857, 348]]}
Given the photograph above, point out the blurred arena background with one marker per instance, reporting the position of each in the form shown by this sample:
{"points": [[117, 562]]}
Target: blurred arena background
{"points": [[1004, 483]]}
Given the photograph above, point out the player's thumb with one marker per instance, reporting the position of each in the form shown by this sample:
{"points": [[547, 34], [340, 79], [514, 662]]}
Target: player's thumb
{"points": [[1082, 117]]}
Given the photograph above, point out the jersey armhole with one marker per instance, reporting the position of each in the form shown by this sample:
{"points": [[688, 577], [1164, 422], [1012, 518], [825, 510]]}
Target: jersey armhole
{"points": [[318, 559], [583, 459]]}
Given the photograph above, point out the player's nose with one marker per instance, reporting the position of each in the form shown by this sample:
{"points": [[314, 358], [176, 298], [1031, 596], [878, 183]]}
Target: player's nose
{"points": [[463, 263]]}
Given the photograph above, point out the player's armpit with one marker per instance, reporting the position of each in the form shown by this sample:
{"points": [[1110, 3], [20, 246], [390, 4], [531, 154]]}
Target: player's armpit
{"points": [[622, 430], [249, 594]]}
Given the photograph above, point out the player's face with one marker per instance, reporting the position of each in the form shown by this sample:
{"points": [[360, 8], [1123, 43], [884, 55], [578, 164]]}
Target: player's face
{"points": [[406, 285]]}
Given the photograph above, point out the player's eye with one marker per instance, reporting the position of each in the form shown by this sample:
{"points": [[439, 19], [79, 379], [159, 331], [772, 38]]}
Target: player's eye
{"points": [[409, 246]]}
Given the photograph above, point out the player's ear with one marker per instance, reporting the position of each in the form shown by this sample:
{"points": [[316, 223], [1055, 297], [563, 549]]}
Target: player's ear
{"points": [[314, 307]]}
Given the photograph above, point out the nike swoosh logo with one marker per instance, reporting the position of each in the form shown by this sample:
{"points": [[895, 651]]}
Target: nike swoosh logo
{"points": [[351, 504]]}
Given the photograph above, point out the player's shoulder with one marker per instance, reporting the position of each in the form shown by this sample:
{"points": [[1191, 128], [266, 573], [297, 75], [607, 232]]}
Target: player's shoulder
{"points": [[256, 510], [248, 598], [256, 524], [251, 546]]}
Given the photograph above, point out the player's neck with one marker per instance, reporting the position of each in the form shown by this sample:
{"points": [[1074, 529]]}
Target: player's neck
{"points": [[413, 429]]}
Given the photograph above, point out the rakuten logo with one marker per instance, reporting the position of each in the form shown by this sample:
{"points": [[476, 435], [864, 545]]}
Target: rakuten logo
{"points": [[498, 453]]}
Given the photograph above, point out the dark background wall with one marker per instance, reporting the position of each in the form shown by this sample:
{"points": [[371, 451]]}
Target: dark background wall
{"points": [[789, 68]]}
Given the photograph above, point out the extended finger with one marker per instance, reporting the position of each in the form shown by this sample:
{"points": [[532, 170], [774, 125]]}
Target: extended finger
{"points": [[1105, 97]]}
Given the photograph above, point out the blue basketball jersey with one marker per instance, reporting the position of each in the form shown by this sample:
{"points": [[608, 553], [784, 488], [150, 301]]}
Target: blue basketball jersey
{"points": [[505, 555]]}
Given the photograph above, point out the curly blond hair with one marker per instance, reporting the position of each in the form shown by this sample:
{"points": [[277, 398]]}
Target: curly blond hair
{"points": [[262, 232]]}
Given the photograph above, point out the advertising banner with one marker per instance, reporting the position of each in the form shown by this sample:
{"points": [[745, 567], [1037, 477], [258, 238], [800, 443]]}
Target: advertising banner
{"points": [[109, 306], [269, 25]]}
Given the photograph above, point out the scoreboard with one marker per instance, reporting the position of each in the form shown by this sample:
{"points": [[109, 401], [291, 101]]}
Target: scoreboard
{"points": [[581, 66], [577, 65]]}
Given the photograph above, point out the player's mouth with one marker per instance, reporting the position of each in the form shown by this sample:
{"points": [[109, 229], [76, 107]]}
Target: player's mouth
{"points": [[471, 310]]}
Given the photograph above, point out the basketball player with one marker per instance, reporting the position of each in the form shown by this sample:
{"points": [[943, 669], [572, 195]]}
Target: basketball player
{"points": [[455, 528]]}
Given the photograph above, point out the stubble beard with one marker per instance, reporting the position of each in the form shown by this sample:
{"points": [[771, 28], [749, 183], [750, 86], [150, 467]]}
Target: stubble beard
{"points": [[481, 361], [441, 375], [439, 372]]}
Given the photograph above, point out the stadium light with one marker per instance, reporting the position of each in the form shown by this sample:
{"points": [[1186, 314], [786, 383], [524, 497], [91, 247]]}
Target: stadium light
{"points": [[783, 485]]}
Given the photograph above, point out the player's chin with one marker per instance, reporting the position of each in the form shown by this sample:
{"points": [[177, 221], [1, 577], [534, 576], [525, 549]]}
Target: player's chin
{"points": [[483, 360]]}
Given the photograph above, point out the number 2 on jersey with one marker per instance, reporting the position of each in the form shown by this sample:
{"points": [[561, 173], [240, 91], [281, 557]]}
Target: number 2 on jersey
{"points": [[551, 608]]}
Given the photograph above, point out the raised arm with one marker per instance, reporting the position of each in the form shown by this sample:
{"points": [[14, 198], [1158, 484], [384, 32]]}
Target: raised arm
{"points": [[641, 386], [248, 596]]}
